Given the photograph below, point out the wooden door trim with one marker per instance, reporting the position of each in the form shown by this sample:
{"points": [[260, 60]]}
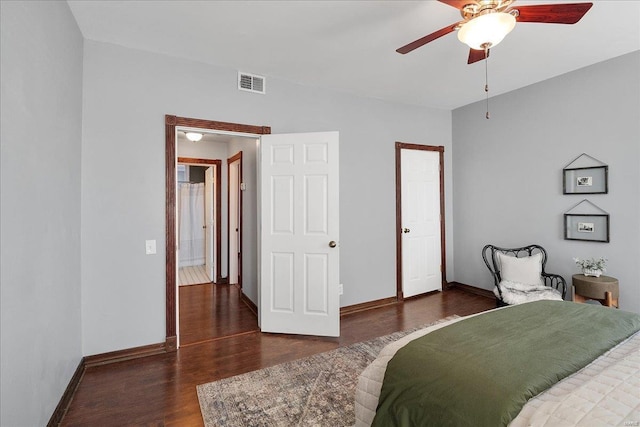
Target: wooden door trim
{"points": [[218, 219], [236, 157], [443, 261], [170, 123]]}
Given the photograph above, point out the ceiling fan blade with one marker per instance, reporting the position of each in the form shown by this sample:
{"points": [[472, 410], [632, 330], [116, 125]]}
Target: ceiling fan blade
{"points": [[426, 39], [477, 55], [568, 13], [458, 4]]}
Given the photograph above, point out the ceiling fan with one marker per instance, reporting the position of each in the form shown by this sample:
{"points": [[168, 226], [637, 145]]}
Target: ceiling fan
{"points": [[486, 22]]}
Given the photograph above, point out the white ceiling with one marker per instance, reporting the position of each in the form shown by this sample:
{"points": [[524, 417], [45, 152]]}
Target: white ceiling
{"points": [[350, 45]]}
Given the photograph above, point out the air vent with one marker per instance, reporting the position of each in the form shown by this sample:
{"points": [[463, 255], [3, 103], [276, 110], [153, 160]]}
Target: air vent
{"points": [[251, 83]]}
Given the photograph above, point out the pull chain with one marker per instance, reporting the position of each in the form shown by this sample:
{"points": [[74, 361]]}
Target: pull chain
{"points": [[486, 77]]}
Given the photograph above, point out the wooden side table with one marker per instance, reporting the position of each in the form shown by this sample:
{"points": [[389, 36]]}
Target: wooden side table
{"points": [[603, 289]]}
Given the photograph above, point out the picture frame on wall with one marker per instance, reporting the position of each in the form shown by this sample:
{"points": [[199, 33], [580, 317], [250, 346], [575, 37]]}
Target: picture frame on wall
{"points": [[586, 227], [591, 180]]}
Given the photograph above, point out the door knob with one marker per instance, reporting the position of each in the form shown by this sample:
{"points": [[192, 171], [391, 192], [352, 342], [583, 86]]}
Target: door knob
{"points": [[332, 244], [406, 230]]}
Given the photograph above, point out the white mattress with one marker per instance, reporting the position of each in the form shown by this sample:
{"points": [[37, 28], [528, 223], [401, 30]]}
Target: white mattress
{"points": [[604, 393]]}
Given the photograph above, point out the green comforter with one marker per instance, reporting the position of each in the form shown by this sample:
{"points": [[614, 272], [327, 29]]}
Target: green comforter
{"points": [[482, 370]]}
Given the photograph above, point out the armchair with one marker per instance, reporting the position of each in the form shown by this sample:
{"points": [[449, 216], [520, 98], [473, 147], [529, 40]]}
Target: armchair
{"points": [[522, 278]]}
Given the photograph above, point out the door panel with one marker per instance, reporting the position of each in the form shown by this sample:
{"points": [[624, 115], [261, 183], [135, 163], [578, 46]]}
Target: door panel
{"points": [[421, 239], [283, 282], [299, 270], [316, 284], [282, 191]]}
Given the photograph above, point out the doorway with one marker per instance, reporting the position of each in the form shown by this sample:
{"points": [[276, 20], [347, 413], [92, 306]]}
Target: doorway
{"points": [[172, 124], [199, 220], [420, 224]]}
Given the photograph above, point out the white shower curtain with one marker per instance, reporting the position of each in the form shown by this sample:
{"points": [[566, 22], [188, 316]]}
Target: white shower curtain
{"points": [[191, 219]]}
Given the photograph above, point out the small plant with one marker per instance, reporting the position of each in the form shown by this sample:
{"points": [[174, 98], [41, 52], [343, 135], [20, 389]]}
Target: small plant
{"points": [[592, 264]]}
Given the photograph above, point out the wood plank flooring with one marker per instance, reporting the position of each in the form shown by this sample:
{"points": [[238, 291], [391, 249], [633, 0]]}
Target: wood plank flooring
{"points": [[211, 311], [161, 390]]}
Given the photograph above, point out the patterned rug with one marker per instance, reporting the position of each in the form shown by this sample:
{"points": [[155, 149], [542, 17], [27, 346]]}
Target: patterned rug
{"points": [[315, 391]]}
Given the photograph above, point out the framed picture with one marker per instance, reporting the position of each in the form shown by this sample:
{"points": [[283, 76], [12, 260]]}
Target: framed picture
{"points": [[593, 228], [592, 180]]}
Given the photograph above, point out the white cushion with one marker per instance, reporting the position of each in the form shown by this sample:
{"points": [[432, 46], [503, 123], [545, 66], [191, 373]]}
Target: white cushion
{"points": [[516, 293], [526, 270]]}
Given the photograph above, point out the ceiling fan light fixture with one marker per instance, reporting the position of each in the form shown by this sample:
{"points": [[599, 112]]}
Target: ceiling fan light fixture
{"points": [[486, 30], [193, 136]]}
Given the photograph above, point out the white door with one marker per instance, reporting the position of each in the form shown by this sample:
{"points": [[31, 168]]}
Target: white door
{"points": [[421, 243], [209, 227], [234, 221], [299, 234]]}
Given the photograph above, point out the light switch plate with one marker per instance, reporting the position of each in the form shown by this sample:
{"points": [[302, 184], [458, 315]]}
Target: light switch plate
{"points": [[340, 289], [150, 247]]}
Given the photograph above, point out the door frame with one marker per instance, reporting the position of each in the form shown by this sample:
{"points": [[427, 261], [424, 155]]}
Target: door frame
{"points": [[443, 261], [170, 124], [235, 158], [218, 207]]}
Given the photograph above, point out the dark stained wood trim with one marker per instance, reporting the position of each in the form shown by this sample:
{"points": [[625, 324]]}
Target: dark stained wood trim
{"points": [[249, 303], [171, 122], [193, 161], [170, 227], [399, 294], [215, 125], [122, 355], [218, 219], [443, 252], [356, 308], [443, 240], [67, 396], [236, 157], [472, 289], [171, 343]]}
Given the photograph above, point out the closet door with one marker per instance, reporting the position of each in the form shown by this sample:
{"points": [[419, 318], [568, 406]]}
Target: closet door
{"points": [[420, 223]]}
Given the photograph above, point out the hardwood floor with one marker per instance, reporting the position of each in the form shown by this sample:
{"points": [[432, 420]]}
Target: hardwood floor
{"points": [[230, 316], [161, 390]]}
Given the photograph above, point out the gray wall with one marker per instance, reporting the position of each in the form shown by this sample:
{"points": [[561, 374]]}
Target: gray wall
{"points": [[126, 95], [41, 123], [508, 171], [249, 149]]}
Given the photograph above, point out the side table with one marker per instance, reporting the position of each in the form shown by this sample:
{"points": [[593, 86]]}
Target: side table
{"points": [[603, 289]]}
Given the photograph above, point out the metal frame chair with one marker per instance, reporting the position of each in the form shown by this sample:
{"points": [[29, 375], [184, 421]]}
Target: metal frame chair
{"points": [[491, 260]]}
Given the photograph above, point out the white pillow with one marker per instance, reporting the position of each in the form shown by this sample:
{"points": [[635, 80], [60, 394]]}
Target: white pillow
{"points": [[526, 270]]}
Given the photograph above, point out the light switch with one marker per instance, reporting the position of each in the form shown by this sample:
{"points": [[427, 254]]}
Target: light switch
{"points": [[150, 247]]}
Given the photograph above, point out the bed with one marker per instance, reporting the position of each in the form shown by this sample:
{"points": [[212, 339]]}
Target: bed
{"points": [[543, 363]]}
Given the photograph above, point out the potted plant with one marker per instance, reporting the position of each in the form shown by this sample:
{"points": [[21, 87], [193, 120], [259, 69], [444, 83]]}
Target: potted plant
{"points": [[592, 267]]}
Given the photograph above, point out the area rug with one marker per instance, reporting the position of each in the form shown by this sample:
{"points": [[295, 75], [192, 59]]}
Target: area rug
{"points": [[315, 391]]}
